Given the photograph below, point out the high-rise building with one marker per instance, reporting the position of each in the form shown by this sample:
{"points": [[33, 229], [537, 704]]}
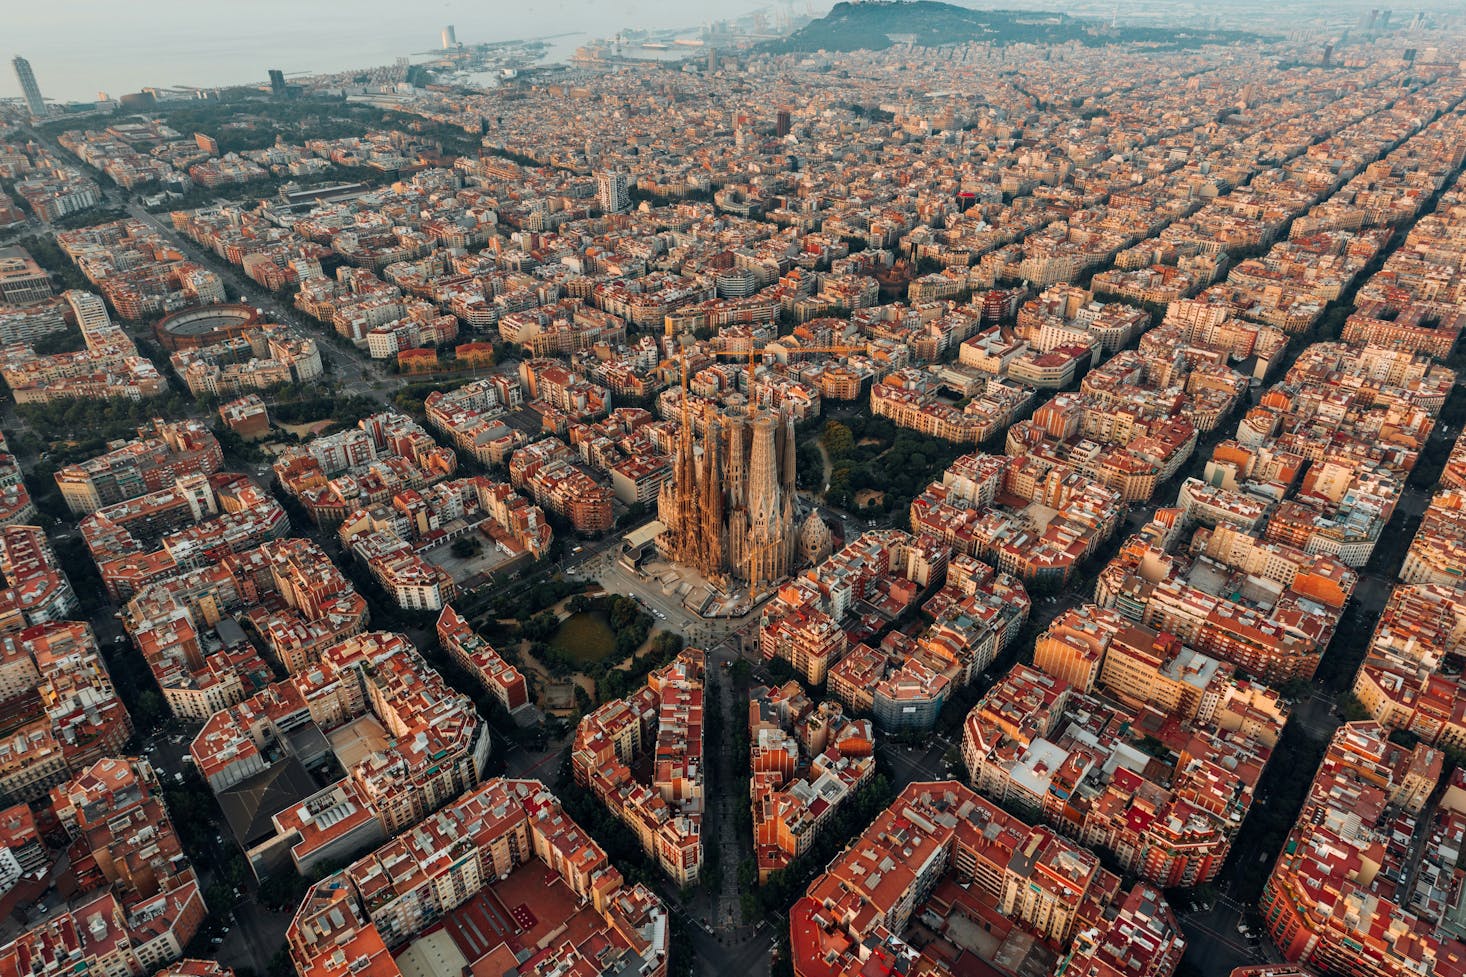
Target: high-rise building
{"points": [[712, 60], [28, 86], [611, 190], [732, 512], [450, 38], [781, 123], [89, 309], [277, 81]]}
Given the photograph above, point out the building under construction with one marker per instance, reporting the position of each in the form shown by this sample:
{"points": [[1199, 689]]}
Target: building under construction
{"points": [[729, 508]]}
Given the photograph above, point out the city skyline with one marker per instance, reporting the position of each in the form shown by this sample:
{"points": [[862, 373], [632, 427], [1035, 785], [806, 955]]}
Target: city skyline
{"points": [[213, 46], [219, 46]]}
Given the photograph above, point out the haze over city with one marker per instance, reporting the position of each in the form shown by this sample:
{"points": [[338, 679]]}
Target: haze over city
{"points": [[804, 489], [87, 46]]}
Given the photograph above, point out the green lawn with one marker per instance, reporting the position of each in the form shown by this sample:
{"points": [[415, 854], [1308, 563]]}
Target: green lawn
{"points": [[585, 637]]}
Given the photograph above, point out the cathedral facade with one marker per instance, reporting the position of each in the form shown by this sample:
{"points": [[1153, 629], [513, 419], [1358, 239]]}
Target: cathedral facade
{"points": [[729, 510]]}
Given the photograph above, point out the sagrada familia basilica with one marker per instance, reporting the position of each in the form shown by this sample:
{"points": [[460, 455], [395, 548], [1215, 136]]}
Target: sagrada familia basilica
{"points": [[730, 512]]}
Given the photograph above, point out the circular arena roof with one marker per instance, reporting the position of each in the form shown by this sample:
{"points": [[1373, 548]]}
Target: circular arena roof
{"points": [[205, 325]]}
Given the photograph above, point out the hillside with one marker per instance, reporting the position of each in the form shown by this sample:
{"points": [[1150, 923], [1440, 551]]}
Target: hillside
{"points": [[877, 24]]}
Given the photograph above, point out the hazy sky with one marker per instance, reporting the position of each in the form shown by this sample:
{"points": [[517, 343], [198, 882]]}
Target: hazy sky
{"points": [[80, 47]]}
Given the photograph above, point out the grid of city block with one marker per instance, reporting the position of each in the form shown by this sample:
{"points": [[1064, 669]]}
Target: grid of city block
{"points": [[821, 490]]}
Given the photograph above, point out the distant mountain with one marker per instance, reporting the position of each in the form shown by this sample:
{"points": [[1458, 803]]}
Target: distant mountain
{"points": [[875, 25]]}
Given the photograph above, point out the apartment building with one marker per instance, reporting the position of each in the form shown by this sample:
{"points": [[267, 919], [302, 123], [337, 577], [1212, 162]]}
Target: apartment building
{"points": [[439, 892], [941, 851], [1274, 627], [22, 281], [428, 746], [134, 267], [477, 657], [471, 417], [806, 761], [1404, 681], [139, 902], [36, 590], [913, 398], [163, 451], [663, 723], [874, 577], [191, 627], [262, 357], [1331, 901], [547, 471], [334, 475], [65, 711], [185, 526], [1030, 519], [246, 416], [1080, 762], [1438, 553]]}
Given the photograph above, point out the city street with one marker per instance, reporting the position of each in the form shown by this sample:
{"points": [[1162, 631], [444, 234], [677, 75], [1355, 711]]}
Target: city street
{"points": [[1215, 946], [356, 372], [727, 792], [352, 369], [720, 956], [913, 764]]}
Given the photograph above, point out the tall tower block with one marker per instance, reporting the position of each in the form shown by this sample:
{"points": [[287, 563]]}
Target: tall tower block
{"points": [[28, 86]]}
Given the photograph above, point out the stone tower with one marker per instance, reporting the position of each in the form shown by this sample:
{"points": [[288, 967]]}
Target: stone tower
{"points": [[712, 495], [731, 512], [815, 541], [767, 538]]}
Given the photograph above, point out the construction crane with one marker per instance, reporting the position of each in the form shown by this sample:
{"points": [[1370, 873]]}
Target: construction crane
{"points": [[752, 353]]}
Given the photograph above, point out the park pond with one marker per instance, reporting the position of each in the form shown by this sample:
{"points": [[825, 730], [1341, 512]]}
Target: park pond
{"points": [[584, 637]]}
